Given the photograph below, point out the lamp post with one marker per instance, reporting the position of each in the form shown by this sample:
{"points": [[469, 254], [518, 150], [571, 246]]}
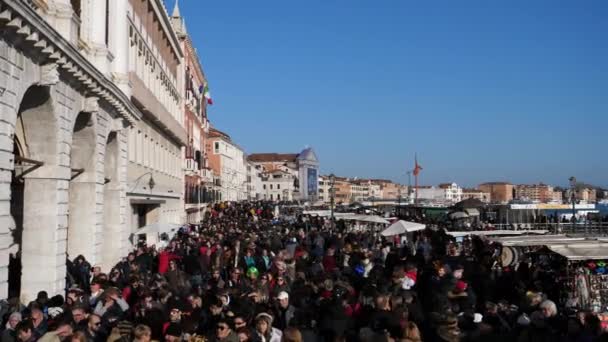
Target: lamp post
{"points": [[573, 196], [332, 182], [151, 182]]}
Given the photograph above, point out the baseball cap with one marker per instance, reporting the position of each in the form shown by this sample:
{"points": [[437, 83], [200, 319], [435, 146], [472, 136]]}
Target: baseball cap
{"points": [[283, 295]]}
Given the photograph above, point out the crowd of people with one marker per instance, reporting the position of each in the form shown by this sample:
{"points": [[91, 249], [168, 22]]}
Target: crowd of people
{"points": [[245, 275]]}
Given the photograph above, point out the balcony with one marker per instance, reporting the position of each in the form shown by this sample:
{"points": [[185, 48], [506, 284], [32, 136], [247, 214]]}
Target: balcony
{"points": [[191, 167], [206, 175]]}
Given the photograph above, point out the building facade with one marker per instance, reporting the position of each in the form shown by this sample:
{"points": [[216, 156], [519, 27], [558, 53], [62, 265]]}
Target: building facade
{"points": [[475, 194], [156, 75], [500, 192], [65, 117], [452, 192], [198, 178], [301, 169], [542, 193], [227, 161]]}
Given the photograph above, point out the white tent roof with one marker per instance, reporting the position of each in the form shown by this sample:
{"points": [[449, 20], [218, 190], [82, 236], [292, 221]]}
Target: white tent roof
{"points": [[582, 251], [366, 218], [402, 227], [535, 240], [497, 232]]}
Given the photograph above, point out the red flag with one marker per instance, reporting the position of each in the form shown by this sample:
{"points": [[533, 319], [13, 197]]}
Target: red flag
{"points": [[417, 168]]}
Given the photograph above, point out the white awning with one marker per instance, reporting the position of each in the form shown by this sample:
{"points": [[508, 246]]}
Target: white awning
{"points": [[582, 251], [402, 227], [366, 218], [535, 240], [497, 232], [472, 212]]}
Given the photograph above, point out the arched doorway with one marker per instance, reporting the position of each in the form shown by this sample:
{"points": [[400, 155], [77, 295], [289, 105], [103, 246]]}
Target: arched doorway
{"points": [[34, 190], [112, 241], [82, 222]]}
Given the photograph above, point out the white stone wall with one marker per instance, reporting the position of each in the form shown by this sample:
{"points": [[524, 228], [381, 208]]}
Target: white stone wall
{"points": [[46, 209]]}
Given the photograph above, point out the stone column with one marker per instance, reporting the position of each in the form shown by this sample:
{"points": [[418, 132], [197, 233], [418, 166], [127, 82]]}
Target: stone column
{"points": [[119, 45], [96, 24], [44, 231]]}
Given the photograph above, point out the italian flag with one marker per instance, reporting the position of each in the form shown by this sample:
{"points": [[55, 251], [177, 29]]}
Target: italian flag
{"points": [[207, 95]]}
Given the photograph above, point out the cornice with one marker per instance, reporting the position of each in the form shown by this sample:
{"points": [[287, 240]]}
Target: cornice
{"points": [[17, 15]]}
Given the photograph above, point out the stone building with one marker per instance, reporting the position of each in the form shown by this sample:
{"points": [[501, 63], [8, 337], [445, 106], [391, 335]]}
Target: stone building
{"points": [[198, 177], [500, 192], [542, 193], [301, 169], [227, 161], [64, 111], [156, 75]]}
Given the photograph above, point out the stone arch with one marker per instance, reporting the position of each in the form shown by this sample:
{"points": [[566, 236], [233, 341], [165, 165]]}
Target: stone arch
{"points": [[112, 239], [34, 193], [82, 195]]}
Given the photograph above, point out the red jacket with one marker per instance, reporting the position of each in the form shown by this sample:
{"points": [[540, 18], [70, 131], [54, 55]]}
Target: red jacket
{"points": [[163, 261]]}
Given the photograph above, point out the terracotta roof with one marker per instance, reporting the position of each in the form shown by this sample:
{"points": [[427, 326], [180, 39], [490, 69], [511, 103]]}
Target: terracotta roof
{"points": [[272, 157]]}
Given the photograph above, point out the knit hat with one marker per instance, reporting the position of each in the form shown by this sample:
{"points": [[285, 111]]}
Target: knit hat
{"points": [[267, 317]]}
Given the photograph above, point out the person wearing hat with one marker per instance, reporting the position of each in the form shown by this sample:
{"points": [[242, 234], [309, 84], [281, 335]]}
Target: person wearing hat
{"points": [[284, 311], [264, 329]]}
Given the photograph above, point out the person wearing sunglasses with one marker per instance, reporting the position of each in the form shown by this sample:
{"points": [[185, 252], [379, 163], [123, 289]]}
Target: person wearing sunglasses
{"points": [[224, 331], [93, 328]]}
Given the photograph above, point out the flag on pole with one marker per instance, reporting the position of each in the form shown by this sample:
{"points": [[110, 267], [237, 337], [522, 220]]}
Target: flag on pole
{"points": [[207, 95], [417, 167]]}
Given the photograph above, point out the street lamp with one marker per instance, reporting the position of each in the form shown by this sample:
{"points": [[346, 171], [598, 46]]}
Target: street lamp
{"points": [[332, 182], [151, 182], [573, 196]]}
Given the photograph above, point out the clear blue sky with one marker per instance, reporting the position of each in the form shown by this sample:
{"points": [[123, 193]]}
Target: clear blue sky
{"points": [[481, 90]]}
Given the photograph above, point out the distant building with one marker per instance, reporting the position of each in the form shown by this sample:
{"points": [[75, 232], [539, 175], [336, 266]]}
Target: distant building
{"points": [[278, 169], [588, 195], [476, 194], [452, 192], [542, 193], [227, 161], [500, 192]]}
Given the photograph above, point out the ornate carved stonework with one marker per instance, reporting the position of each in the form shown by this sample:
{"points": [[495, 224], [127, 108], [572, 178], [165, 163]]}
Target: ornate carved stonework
{"points": [[49, 75], [119, 124], [91, 105]]}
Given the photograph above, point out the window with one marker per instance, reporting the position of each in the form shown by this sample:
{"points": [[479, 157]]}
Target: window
{"points": [[278, 197], [217, 147], [271, 197], [264, 186], [278, 186], [271, 187]]}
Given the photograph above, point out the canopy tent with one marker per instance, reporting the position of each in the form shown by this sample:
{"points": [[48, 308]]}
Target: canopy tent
{"points": [[458, 215], [469, 203], [497, 232], [582, 251], [366, 218], [402, 227], [535, 240], [472, 212]]}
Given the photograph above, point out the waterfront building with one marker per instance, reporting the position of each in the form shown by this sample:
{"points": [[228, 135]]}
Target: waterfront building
{"points": [[198, 177], [156, 75], [301, 169], [476, 194], [452, 192], [500, 192], [227, 161], [65, 115], [542, 193]]}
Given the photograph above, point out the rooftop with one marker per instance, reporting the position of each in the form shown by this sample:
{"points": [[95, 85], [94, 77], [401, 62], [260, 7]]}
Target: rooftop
{"points": [[272, 157]]}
